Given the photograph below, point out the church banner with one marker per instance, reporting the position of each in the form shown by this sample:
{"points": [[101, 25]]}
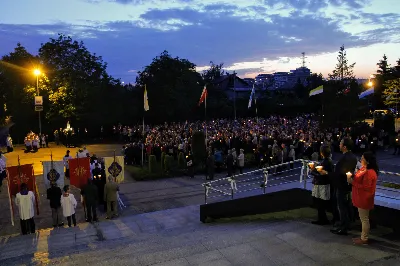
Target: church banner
{"points": [[18, 175], [53, 172], [114, 166], [79, 172]]}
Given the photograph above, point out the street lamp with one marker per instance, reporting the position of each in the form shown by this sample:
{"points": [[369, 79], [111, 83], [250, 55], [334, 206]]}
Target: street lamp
{"points": [[37, 73]]}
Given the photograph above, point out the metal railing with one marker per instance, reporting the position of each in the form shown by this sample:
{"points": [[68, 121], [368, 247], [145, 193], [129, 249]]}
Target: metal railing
{"points": [[275, 175]]}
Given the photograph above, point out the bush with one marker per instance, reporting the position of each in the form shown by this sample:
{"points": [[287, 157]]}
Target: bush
{"points": [[249, 159], [152, 164], [163, 154], [199, 147], [181, 161], [167, 163]]}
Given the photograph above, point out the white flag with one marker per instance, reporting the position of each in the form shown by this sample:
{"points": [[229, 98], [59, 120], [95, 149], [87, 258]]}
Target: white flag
{"points": [[115, 168], [251, 97], [53, 172]]}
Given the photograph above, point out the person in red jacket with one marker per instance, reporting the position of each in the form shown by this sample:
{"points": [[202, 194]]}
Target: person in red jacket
{"points": [[363, 192]]}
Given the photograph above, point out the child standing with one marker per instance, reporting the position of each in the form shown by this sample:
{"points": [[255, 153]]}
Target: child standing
{"points": [[68, 203]]}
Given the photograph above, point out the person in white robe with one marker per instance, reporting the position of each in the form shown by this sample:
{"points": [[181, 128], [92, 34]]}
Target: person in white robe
{"points": [[68, 203], [25, 201]]}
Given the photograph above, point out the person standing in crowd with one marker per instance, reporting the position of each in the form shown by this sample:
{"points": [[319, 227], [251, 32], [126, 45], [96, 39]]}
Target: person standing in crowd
{"points": [[91, 197], [3, 173], [241, 161], [346, 164], [363, 192], [111, 196], [210, 166], [190, 165], [68, 203], [66, 159], [321, 188], [25, 201], [9, 142], [229, 163], [53, 195]]}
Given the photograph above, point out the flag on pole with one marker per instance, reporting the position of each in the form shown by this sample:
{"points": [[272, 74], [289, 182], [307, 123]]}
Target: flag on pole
{"points": [[366, 93], [79, 171], [203, 96], [18, 175], [53, 171], [115, 167], [251, 97], [146, 100], [317, 90]]}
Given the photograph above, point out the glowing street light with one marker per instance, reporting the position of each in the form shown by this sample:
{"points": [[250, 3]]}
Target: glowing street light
{"points": [[37, 73], [370, 84]]}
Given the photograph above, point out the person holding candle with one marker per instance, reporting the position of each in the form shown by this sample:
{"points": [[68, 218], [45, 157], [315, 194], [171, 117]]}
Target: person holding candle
{"points": [[342, 189], [321, 181], [363, 192]]}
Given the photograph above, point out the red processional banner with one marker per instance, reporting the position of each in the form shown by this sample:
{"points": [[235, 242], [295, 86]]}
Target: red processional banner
{"points": [[16, 175], [79, 172]]}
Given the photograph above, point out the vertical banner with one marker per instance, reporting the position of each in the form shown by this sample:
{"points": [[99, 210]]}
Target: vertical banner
{"points": [[18, 175], [79, 171], [53, 172], [114, 166]]}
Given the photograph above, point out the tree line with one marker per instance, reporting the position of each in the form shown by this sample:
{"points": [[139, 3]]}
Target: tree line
{"points": [[76, 87]]}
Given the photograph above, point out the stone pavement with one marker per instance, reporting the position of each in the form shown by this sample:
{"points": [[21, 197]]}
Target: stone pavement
{"points": [[176, 237]]}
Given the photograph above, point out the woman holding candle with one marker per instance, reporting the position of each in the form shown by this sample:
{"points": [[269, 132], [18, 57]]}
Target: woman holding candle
{"points": [[321, 181], [363, 192]]}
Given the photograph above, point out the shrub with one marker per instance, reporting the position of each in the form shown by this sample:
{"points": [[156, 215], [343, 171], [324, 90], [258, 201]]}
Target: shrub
{"points": [[249, 159], [163, 154], [167, 163], [181, 161], [199, 147], [152, 164]]}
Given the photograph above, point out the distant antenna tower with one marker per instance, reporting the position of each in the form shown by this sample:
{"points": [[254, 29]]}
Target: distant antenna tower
{"points": [[303, 59]]}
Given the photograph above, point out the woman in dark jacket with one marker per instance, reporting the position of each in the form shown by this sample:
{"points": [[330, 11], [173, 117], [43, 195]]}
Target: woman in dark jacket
{"points": [[321, 189]]}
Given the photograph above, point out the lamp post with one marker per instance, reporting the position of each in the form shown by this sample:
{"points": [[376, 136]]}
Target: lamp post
{"points": [[37, 73]]}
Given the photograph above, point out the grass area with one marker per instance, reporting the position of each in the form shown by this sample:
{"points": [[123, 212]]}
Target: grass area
{"points": [[142, 173], [391, 185]]}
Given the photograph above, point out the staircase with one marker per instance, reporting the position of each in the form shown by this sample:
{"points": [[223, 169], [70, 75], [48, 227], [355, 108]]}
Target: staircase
{"points": [[177, 237]]}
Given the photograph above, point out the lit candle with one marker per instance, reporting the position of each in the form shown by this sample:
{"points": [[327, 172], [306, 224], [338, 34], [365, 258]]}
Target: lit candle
{"points": [[348, 174], [319, 168]]}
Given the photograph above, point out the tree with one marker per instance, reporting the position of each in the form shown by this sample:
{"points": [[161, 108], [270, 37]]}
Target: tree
{"points": [[173, 86], [396, 69], [343, 71], [391, 94], [16, 71], [213, 73], [79, 87], [383, 67]]}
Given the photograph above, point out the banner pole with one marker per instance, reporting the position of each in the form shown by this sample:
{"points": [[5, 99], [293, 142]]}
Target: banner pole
{"points": [[10, 202]]}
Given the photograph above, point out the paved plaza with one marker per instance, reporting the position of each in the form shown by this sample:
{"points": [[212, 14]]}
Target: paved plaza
{"points": [[176, 237]]}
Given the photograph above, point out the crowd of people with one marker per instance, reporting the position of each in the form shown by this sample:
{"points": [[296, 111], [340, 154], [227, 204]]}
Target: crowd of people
{"points": [[33, 142]]}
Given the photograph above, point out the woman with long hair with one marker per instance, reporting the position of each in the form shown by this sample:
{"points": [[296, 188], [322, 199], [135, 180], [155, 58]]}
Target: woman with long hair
{"points": [[363, 192], [321, 181]]}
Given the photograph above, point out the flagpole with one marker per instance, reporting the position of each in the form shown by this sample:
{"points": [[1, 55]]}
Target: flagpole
{"points": [[144, 140], [205, 115], [234, 93], [255, 102]]}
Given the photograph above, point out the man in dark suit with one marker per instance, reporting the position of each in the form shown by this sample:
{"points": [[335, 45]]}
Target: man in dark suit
{"points": [[91, 197], [342, 189]]}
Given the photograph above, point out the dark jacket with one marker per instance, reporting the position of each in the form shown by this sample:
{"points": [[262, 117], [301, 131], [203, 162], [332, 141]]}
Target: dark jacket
{"points": [[347, 163], [90, 194], [54, 195], [319, 179]]}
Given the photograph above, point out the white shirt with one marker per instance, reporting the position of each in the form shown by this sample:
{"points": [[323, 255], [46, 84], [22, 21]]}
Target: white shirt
{"points": [[66, 161], [25, 205], [9, 142], [2, 165], [68, 205]]}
